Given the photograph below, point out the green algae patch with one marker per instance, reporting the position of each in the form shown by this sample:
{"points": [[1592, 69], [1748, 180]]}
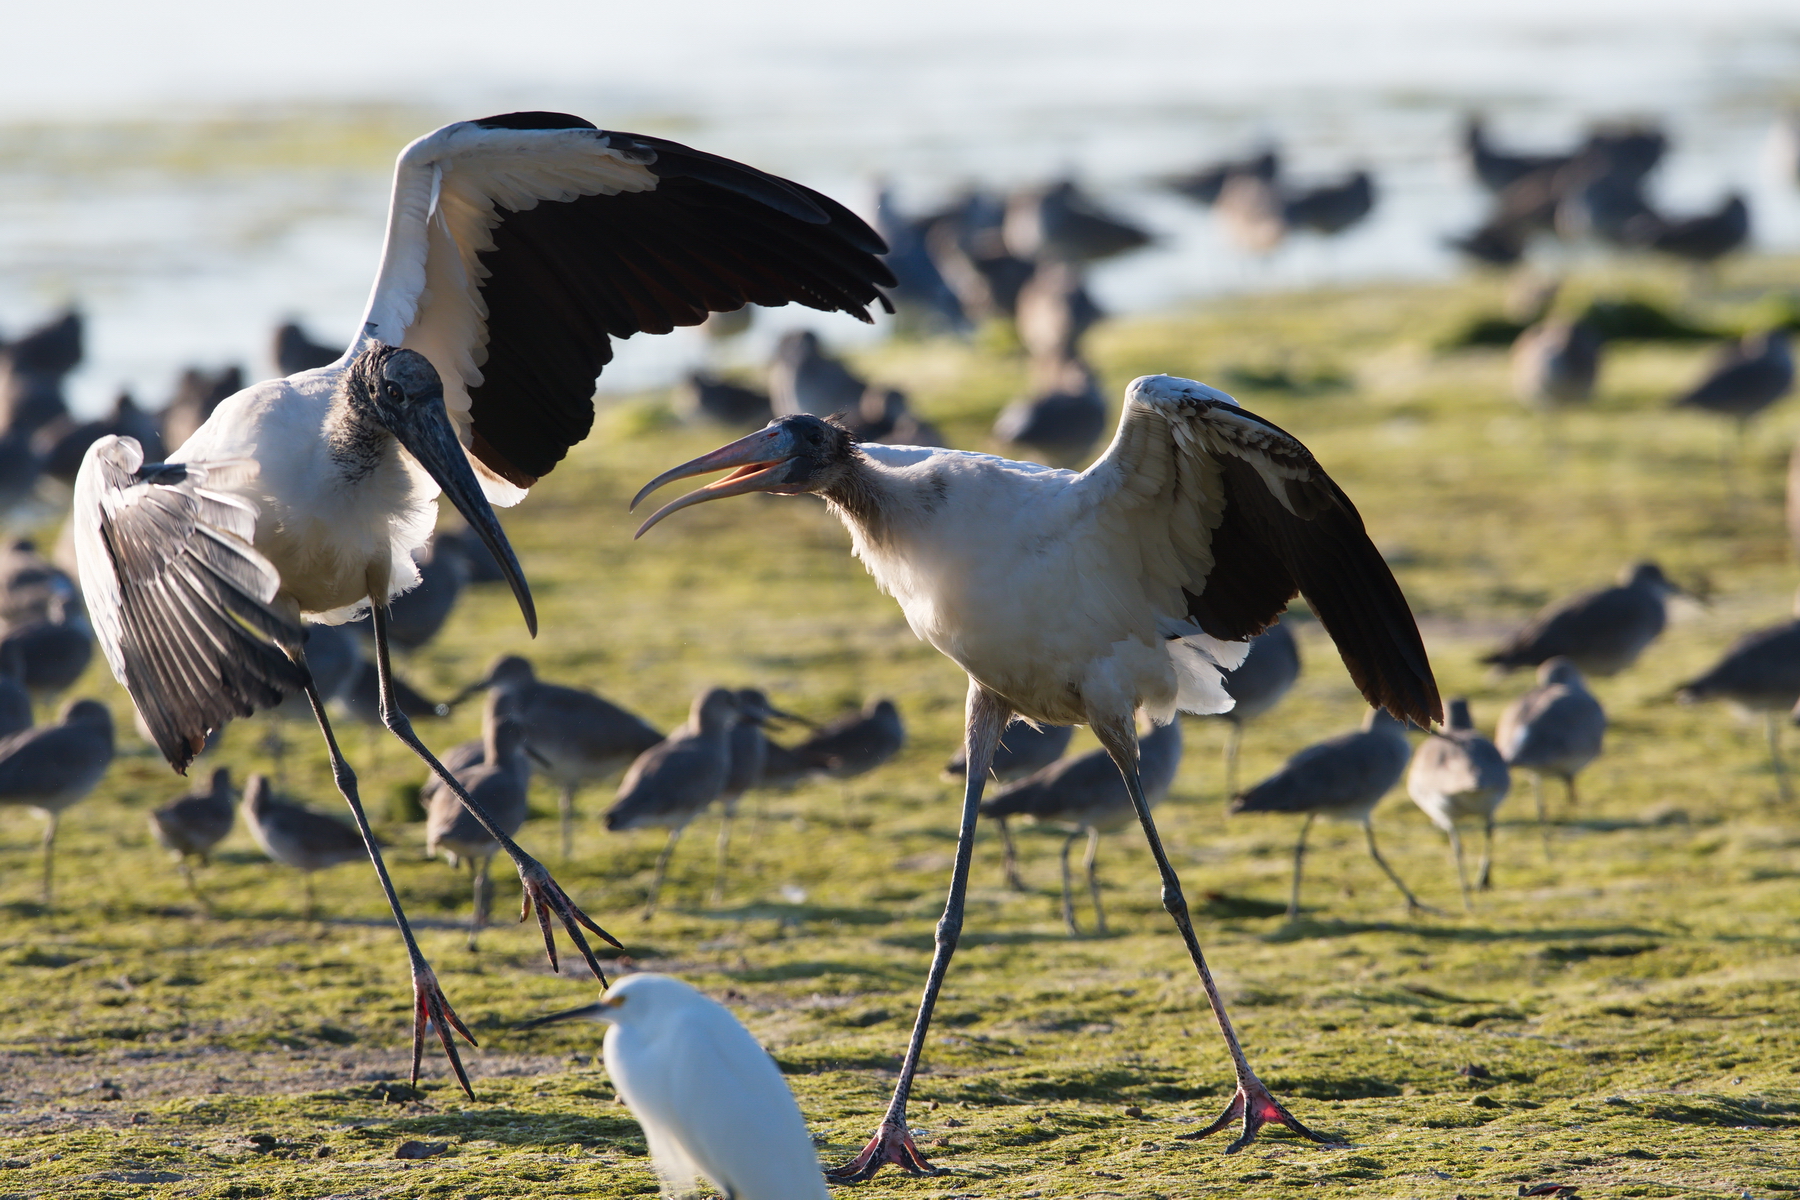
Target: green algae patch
{"points": [[1621, 1012]]}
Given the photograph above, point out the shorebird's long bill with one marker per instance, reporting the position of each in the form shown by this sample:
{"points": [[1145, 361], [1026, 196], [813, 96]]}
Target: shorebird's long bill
{"points": [[758, 460], [587, 1012], [428, 436]]}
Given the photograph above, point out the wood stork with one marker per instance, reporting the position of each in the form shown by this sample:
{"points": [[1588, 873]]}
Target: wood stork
{"points": [[517, 248], [1082, 598]]}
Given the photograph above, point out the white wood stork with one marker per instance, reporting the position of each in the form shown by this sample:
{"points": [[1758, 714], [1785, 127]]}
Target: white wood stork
{"points": [[1081, 598], [517, 248]]}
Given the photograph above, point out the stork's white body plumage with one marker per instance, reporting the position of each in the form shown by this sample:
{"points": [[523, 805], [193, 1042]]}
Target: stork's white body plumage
{"points": [[333, 537], [1059, 591]]}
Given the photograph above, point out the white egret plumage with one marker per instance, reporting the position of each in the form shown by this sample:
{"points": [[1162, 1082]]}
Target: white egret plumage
{"points": [[1083, 598], [712, 1102], [517, 248]]}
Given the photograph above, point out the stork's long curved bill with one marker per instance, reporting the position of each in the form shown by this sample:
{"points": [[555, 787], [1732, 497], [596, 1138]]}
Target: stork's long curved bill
{"points": [[758, 459], [428, 436]]}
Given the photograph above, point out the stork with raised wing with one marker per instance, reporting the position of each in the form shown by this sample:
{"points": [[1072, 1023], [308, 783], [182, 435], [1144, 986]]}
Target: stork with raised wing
{"points": [[1083, 598], [518, 247]]}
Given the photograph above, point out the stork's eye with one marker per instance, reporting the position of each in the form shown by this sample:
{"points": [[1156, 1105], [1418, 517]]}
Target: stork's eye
{"points": [[392, 390]]}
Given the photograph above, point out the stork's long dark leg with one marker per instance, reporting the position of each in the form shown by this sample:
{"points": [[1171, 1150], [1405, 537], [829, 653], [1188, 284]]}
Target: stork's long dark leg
{"points": [[892, 1143], [1252, 1101], [1068, 910], [541, 893], [1299, 863], [430, 1007]]}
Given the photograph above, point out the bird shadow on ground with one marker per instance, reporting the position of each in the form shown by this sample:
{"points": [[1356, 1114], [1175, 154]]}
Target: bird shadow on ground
{"points": [[515, 1128], [1307, 927], [813, 968], [927, 942]]}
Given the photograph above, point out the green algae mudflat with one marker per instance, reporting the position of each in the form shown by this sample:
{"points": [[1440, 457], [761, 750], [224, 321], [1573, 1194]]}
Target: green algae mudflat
{"points": [[1625, 1015]]}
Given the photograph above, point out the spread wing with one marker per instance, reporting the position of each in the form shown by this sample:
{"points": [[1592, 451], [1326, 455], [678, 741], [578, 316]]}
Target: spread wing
{"points": [[179, 600], [1230, 517], [519, 246]]}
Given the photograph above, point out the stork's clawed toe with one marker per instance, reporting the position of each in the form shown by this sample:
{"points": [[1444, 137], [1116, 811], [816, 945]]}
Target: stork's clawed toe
{"points": [[431, 1010], [1253, 1104], [541, 894], [892, 1145]]}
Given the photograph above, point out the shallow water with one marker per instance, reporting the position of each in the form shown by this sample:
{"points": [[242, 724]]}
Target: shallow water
{"points": [[191, 183]]}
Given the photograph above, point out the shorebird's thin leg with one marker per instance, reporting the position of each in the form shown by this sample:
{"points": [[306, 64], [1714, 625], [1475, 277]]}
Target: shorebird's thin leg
{"points": [[565, 810], [1772, 723], [477, 913], [1233, 741], [1068, 909], [49, 853], [1093, 857], [1299, 864], [1462, 878], [893, 1143], [541, 893], [1412, 901], [1009, 856], [1537, 794], [1252, 1101], [312, 899], [662, 868], [431, 1009], [1485, 879], [724, 852]]}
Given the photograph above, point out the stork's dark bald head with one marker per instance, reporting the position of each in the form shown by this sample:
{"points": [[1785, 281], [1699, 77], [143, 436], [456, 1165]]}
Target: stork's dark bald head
{"points": [[390, 383]]}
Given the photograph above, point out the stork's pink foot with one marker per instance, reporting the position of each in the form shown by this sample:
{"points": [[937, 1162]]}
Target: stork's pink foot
{"points": [[431, 1010], [544, 896], [892, 1145], [1257, 1108]]}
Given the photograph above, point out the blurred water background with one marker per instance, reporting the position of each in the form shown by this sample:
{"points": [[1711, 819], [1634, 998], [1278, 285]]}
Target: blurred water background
{"points": [[190, 176]]}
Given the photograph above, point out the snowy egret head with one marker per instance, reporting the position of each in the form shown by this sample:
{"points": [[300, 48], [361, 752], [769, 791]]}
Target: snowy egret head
{"points": [[712, 1102], [794, 454]]}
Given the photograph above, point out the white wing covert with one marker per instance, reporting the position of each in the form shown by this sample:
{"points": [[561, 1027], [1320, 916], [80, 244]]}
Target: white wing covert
{"points": [[1231, 517]]}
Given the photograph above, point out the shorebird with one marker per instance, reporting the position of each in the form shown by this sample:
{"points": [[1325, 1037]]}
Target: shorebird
{"points": [[52, 652], [518, 247], [1554, 729], [1760, 672], [1602, 632], [415, 617], [675, 780], [575, 736], [298, 837], [62, 460], [1062, 419], [857, 743], [1060, 222], [1555, 363], [1267, 674], [31, 374], [294, 351], [1087, 796], [1745, 378], [749, 750], [189, 826], [803, 378], [50, 767], [1203, 184], [29, 582], [1341, 779], [920, 293], [1023, 749], [702, 395], [198, 393], [1497, 169], [1054, 313], [1704, 238], [499, 781], [968, 245], [1330, 208], [15, 699], [1457, 774], [1079, 599]]}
